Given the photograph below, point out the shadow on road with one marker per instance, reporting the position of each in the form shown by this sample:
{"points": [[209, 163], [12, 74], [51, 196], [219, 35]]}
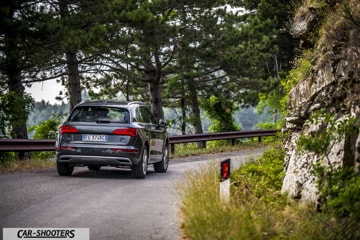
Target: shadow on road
{"points": [[114, 173]]}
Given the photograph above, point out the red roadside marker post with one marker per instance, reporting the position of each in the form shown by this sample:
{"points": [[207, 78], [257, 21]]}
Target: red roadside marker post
{"points": [[225, 181]]}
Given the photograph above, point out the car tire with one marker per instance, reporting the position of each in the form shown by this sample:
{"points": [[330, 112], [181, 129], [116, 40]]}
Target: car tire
{"points": [[94, 167], [64, 169], [139, 171], [162, 166]]}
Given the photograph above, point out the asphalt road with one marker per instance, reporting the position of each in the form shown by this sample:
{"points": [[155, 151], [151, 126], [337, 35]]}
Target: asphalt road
{"points": [[110, 202]]}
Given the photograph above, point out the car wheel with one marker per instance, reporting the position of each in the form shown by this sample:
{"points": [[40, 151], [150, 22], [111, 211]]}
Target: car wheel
{"points": [[94, 167], [162, 166], [139, 171], [64, 169]]}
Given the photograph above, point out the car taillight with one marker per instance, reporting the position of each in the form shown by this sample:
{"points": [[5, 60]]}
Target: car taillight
{"points": [[117, 150], [126, 131], [68, 148], [67, 129]]}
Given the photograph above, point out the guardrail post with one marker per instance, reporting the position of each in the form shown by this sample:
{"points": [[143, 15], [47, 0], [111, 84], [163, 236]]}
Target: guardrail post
{"points": [[259, 139], [172, 147]]}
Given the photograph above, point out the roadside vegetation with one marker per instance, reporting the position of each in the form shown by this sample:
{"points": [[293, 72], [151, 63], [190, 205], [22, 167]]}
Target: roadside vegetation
{"points": [[10, 162], [258, 209], [41, 160]]}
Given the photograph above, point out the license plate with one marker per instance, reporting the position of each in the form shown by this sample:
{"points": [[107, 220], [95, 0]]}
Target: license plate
{"points": [[94, 138]]}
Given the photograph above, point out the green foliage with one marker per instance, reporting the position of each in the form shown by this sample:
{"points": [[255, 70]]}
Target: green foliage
{"points": [[266, 125], [221, 115], [48, 128], [200, 194], [352, 15], [317, 3], [258, 210], [220, 112], [43, 111], [317, 143], [14, 110], [339, 188], [261, 175], [6, 158], [339, 197], [300, 71], [330, 131], [339, 191], [248, 118], [120, 47], [270, 104]]}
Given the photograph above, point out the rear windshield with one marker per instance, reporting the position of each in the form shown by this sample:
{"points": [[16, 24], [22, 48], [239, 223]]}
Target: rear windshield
{"points": [[99, 114]]}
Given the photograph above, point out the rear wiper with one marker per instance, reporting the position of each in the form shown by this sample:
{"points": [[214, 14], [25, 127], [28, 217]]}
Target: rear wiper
{"points": [[103, 121]]}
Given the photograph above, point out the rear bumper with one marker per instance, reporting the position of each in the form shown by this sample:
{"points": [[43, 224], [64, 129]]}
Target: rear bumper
{"points": [[92, 160]]}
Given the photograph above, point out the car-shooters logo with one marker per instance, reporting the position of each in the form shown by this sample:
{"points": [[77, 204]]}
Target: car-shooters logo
{"points": [[51, 233], [46, 233]]}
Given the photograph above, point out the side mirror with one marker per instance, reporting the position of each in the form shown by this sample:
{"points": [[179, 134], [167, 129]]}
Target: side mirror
{"points": [[162, 123]]}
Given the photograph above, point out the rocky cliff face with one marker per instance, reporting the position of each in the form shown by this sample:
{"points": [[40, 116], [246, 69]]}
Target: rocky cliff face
{"points": [[333, 85]]}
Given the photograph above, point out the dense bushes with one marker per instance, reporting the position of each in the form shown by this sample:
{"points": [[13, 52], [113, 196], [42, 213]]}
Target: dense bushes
{"points": [[258, 209]]}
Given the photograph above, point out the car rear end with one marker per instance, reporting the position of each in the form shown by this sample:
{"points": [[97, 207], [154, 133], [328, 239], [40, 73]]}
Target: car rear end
{"points": [[89, 138]]}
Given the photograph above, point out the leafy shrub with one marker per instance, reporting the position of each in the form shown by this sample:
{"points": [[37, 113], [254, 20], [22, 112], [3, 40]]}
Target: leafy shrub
{"points": [[339, 198], [220, 112], [340, 190], [330, 131], [301, 70], [262, 174], [46, 130], [6, 158], [266, 125]]}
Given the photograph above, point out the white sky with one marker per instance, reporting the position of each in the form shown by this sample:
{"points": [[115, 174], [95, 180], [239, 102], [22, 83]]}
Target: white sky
{"points": [[46, 91]]}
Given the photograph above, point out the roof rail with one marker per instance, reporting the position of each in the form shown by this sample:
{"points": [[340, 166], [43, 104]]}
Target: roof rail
{"points": [[116, 102], [136, 102]]}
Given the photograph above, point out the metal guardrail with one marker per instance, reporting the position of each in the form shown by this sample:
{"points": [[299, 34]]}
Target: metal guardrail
{"points": [[28, 145], [221, 136]]}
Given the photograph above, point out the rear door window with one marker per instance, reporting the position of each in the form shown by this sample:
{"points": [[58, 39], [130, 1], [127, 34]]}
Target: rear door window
{"points": [[145, 115]]}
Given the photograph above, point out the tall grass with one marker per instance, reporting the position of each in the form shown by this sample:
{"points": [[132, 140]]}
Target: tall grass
{"points": [[257, 209], [39, 160]]}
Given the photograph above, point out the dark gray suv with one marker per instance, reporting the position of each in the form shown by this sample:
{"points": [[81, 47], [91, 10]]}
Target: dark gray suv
{"points": [[112, 133]]}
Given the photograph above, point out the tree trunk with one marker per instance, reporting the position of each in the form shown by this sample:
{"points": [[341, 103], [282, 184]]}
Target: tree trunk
{"points": [[72, 63], [11, 52], [195, 109], [155, 99], [154, 84], [18, 126], [74, 87], [18, 130], [183, 120], [13, 72]]}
